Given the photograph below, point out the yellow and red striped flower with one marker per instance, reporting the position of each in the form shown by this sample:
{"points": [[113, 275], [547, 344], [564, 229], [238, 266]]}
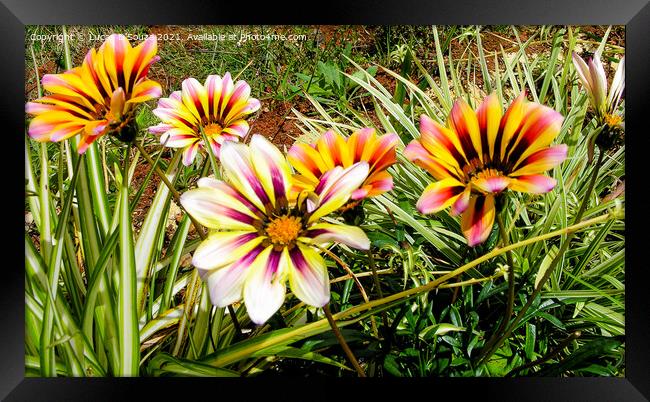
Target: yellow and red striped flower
{"points": [[98, 97], [219, 108], [311, 161], [482, 153], [258, 239]]}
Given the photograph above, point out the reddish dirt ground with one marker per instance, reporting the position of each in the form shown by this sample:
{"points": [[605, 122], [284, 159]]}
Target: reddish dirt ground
{"points": [[272, 121], [139, 175]]}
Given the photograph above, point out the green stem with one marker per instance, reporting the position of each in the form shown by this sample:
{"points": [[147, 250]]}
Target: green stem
{"points": [[235, 321], [583, 206], [136, 197], [175, 194], [190, 295], [176, 248], [511, 286], [208, 150], [375, 277], [344, 345], [44, 195]]}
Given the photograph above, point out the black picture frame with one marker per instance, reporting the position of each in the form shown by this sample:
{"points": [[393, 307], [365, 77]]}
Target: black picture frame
{"points": [[634, 14]]}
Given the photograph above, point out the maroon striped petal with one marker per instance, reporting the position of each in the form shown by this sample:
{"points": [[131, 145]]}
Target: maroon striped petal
{"points": [[265, 288], [226, 284], [535, 184], [439, 195], [476, 222], [308, 277]]}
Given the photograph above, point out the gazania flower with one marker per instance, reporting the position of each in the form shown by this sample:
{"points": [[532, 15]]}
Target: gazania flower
{"points": [[593, 78], [258, 240], [480, 154], [219, 108], [98, 97], [332, 150]]}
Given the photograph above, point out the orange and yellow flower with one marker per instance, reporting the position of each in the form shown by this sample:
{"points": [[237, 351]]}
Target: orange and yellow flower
{"points": [[219, 108], [482, 153], [311, 161], [258, 240], [96, 98]]}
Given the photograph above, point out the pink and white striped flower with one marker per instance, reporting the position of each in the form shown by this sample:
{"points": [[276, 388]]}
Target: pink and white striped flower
{"points": [[258, 240], [592, 75], [98, 97], [482, 153], [219, 109]]}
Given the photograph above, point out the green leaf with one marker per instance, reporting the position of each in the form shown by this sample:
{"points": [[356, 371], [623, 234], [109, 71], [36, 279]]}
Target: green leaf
{"points": [[331, 74], [295, 353], [546, 263], [164, 364], [153, 224], [439, 329], [128, 331], [531, 335], [391, 366], [581, 358]]}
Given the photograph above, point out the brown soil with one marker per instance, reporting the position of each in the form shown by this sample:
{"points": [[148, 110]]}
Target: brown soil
{"points": [[139, 175], [362, 37], [31, 86], [273, 122], [386, 80], [616, 36]]}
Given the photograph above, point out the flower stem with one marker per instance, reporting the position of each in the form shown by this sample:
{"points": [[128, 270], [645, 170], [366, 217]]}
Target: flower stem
{"points": [[375, 277], [511, 270], [347, 269], [175, 194], [344, 345], [343, 265], [190, 295], [233, 318], [583, 206], [208, 149], [511, 286]]}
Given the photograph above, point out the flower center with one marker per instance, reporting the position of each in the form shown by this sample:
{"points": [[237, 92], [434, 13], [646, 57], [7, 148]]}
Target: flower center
{"points": [[487, 174], [470, 170], [212, 129], [109, 116], [284, 230], [612, 120]]}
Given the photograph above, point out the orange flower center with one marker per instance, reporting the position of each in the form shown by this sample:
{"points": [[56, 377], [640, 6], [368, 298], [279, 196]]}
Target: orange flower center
{"points": [[212, 129], [486, 174], [284, 230], [109, 116], [103, 113], [613, 120], [472, 168]]}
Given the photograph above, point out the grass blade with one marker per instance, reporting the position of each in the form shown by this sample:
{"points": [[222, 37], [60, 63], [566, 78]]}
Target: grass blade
{"points": [[129, 338]]}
